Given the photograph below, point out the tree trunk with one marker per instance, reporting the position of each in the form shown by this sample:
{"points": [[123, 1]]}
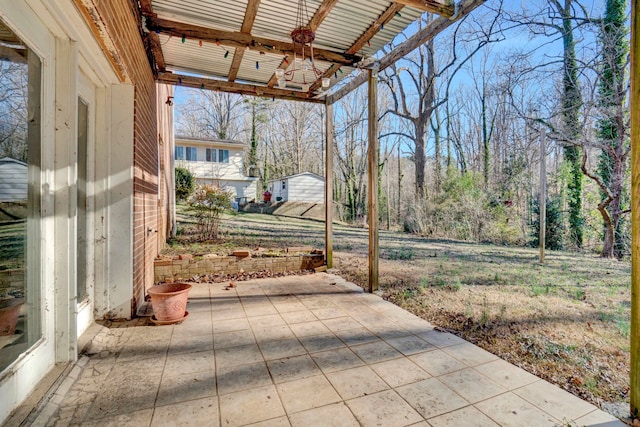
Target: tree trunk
{"points": [[399, 208], [437, 148], [609, 234], [420, 159], [486, 155], [571, 103]]}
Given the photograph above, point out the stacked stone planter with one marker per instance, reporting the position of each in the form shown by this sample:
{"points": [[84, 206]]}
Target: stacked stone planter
{"points": [[182, 267]]}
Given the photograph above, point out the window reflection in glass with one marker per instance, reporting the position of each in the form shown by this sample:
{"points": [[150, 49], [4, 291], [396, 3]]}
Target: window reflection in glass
{"points": [[20, 86]]}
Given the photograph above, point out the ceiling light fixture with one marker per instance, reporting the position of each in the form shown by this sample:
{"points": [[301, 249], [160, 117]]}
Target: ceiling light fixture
{"points": [[303, 63]]}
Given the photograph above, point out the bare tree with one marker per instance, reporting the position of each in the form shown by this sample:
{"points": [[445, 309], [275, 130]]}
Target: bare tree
{"points": [[13, 108], [209, 114], [412, 83], [351, 154], [291, 139]]}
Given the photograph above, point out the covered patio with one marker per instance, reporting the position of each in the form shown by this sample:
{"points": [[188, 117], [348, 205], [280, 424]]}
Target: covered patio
{"points": [[300, 350], [310, 350]]}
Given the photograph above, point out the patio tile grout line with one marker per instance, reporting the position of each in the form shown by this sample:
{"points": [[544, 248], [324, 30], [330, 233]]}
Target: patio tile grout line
{"points": [[402, 355], [380, 339], [215, 359]]}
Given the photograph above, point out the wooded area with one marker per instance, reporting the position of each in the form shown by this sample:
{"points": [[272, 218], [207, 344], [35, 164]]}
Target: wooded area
{"points": [[459, 124]]}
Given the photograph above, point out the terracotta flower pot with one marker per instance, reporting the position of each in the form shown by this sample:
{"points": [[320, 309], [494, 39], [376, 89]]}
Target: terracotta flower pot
{"points": [[169, 302], [9, 316]]}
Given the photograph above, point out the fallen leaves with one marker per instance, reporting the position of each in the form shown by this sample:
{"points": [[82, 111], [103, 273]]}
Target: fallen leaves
{"points": [[242, 276]]}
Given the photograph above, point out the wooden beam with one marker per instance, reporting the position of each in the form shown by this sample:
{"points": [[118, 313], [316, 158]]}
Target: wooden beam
{"points": [[432, 29], [13, 54], [328, 187], [232, 87], [330, 72], [441, 8], [239, 39], [283, 64], [634, 97], [321, 14], [156, 47], [235, 64], [250, 16], [349, 87], [156, 50], [145, 8], [99, 30], [382, 20], [247, 24], [372, 183], [427, 33]]}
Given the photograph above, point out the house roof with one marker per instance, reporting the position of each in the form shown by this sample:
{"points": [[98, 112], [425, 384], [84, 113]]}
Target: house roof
{"points": [[297, 175], [210, 141], [9, 160], [236, 45]]}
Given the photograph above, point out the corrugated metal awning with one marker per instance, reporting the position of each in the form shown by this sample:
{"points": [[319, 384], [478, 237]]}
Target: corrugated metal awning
{"points": [[237, 45]]}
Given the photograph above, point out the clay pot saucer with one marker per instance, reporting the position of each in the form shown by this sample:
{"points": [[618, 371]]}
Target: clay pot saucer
{"points": [[168, 322]]}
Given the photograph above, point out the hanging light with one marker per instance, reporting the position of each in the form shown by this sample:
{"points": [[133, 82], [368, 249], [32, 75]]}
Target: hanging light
{"points": [[303, 63]]}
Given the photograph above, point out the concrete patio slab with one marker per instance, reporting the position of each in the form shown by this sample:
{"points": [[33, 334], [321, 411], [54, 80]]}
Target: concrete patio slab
{"points": [[306, 351]]}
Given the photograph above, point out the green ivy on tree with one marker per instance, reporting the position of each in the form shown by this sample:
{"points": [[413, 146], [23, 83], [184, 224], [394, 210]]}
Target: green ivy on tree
{"points": [[554, 227]]}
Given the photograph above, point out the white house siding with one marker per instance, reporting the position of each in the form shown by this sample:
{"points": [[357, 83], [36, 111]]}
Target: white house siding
{"points": [[276, 190], [202, 169], [304, 187], [229, 176], [13, 180], [244, 188]]}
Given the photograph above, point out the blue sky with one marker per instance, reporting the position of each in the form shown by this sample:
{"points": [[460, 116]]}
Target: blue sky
{"points": [[515, 40]]}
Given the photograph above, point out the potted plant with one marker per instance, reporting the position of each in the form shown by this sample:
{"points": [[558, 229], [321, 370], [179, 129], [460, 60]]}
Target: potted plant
{"points": [[169, 302], [9, 312]]}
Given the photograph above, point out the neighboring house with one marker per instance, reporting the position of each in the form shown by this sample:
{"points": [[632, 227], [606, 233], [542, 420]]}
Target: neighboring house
{"points": [[13, 180], [303, 187], [215, 161]]}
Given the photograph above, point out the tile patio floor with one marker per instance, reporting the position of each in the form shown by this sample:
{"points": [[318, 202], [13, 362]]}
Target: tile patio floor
{"points": [[301, 351]]}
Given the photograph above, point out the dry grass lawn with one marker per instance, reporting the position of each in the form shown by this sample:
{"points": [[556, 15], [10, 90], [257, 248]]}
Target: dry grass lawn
{"points": [[566, 321]]}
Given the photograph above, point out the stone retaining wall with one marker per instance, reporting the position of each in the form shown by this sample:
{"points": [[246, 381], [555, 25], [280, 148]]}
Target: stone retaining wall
{"points": [[12, 278], [186, 266]]}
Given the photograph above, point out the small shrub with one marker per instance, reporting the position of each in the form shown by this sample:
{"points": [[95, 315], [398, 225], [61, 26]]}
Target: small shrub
{"points": [[554, 226], [424, 282], [208, 203], [185, 183], [464, 211], [538, 290], [442, 283], [624, 328], [405, 254]]}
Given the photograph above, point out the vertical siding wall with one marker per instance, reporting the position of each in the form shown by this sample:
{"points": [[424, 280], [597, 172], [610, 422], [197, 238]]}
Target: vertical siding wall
{"points": [[121, 19]]}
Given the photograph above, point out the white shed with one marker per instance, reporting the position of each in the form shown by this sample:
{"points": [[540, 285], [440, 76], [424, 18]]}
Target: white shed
{"points": [[303, 187], [13, 180]]}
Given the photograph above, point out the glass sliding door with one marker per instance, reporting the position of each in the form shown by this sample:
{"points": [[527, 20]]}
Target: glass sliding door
{"points": [[81, 265], [20, 223]]}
